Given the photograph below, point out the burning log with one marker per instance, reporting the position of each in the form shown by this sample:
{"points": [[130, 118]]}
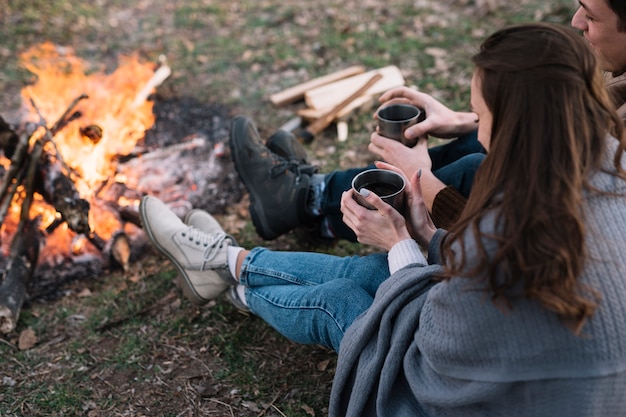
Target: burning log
{"points": [[55, 185], [58, 190], [117, 248], [39, 170], [157, 79], [67, 116], [18, 271], [10, 181], [22, 260], [8, 139], [53, 181]]}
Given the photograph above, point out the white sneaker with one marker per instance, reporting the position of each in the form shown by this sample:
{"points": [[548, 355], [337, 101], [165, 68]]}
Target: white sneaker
{"points": [[204, 221], [200, 256]]}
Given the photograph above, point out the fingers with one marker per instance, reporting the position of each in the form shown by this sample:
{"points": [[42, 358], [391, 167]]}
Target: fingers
{"points": [[422, 146], [420, 129], [416, 186], [397, 100], [354, 207], [398, 93], [383, 146], [388, 166]]}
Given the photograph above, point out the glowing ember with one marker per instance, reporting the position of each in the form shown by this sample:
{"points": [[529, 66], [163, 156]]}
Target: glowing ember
{"points": [[112, 119]]}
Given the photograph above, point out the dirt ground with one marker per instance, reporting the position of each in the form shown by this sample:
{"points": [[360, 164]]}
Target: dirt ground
{"points": [[120, 343]]}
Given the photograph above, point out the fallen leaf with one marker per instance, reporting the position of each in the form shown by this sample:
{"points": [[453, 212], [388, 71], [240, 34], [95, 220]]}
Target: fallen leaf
{"points": [[308, 410], [323, 365], [252, 406], [27, 339], [84, 293]]}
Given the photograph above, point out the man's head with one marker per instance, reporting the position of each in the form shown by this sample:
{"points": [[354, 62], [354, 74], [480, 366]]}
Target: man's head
{"points": [[603, 23]]}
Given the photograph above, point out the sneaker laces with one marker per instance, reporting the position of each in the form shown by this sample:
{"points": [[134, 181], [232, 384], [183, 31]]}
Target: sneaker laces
{"points": [[212, 242]]}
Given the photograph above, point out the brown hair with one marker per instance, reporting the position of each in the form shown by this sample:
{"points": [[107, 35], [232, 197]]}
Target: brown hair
{"points": [[619, 7], [551, 116]]}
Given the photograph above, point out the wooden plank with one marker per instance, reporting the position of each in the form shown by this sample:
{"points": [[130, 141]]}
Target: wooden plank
{"points": [[329, 95], [323, 122], [313, 114], [296, 92]]}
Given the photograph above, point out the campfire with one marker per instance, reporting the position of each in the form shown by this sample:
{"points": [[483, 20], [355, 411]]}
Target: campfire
{"points": [[87, 146]]}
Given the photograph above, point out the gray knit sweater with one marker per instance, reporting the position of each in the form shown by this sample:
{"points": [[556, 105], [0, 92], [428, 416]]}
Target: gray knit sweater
{"points": [[443, 349]]}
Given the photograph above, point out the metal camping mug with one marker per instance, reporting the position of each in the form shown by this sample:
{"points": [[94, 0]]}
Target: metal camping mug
{"points": [[386, 184], [394, 119]]}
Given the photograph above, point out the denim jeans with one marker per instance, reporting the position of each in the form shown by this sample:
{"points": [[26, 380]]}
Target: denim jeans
{"points": [[308, 297], [454, 163]]}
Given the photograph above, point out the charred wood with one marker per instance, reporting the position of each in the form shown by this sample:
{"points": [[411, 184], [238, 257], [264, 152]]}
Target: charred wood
{"points": [[56, 187], [118, 248], [18, 272], [67, 116], [54, 182], [14, 175], [130, 215], [8, 139]]}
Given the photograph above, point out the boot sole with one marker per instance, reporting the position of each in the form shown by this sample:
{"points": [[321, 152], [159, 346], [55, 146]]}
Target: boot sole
{"points": [[256, 209], [185, 283]]}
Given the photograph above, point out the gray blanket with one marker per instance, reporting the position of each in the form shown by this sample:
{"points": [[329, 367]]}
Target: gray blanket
{"points": [[371, 352]]}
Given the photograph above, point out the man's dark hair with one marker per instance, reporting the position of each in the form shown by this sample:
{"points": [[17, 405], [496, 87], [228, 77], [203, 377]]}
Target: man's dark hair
{"points": [[619, 7]]}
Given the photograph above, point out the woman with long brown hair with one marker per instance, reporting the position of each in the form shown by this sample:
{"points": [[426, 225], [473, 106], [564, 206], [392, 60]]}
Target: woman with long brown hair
{"points": [[522, 310], [551, 116]]}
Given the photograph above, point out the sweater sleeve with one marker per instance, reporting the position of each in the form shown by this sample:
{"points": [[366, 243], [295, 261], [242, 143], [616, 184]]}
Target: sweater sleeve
{"points": [[447, 207], [403, 253]]}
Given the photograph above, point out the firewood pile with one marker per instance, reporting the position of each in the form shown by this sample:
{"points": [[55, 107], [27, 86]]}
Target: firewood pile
{"points": [[36, 167], [332, 98]]}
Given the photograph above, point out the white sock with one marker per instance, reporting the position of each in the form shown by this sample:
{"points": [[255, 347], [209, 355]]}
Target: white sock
{"points": [[241, 293], [233, 253]]}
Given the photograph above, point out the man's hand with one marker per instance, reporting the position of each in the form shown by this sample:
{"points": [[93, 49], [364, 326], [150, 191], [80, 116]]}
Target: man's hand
{"points": [[441, 121], [409, 161]]}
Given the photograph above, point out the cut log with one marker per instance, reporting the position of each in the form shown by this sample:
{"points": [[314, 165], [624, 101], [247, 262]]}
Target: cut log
{"points": [[117, 249], [297, 92], [14, 175], [329, 95], [23, 255], [52, 180], [56, 187], [160, 75], [314, 114], [8, 139], [17, 273], [130, 215], [320, 124]]}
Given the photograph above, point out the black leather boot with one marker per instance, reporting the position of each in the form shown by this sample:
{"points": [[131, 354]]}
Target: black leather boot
{"points": [[278, 187]]}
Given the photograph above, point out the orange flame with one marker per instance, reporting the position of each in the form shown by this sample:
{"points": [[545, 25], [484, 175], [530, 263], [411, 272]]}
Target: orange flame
{"points": [[111, 109]]}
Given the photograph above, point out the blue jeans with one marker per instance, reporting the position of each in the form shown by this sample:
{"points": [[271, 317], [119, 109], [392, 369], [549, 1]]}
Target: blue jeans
{"points": [[308, 297], [454, 163]]}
